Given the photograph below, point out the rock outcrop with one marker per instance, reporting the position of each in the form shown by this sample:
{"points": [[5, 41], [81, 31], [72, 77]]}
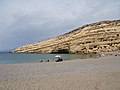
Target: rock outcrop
{"points": [[103, 36]]}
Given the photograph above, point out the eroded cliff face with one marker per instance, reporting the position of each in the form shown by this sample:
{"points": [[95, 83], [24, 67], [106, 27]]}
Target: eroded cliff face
{"points": [[102, 36]]}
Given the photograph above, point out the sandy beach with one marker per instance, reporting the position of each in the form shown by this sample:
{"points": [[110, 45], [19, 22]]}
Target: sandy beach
{"points": [[84, 74]]}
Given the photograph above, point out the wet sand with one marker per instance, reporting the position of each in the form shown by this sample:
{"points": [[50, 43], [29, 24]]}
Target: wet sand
{"points": [[83, 74]]}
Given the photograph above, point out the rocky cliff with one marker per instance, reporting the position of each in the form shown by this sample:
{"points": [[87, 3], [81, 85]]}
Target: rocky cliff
{"points": [[103, 36]]}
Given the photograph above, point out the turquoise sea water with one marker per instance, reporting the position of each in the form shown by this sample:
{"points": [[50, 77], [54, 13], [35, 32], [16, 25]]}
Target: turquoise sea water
{"points": [[7, 58]]}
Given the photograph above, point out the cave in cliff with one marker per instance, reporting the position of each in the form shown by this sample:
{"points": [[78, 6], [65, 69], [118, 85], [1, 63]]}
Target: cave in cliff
{"points": [[61, 51]]}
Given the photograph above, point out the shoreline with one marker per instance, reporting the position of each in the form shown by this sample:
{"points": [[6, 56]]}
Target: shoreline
{"points": [[84, 74], [97, 57]]}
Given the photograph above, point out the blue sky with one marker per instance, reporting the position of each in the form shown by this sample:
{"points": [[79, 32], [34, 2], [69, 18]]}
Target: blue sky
{"points": [[26, 21]]}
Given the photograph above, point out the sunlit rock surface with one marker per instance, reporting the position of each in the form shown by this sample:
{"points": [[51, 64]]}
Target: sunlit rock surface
{"points": [[103, 36]]}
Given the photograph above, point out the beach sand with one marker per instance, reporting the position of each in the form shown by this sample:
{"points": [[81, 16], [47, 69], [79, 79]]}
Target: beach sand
{"points": [[83, 74]]}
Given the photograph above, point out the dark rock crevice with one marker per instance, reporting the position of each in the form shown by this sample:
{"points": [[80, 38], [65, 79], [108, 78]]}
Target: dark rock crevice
{"points": [[61, 51]]}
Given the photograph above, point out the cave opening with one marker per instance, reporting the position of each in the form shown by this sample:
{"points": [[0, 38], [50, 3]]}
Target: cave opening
{"points": [[61, 51], [117, 35]]}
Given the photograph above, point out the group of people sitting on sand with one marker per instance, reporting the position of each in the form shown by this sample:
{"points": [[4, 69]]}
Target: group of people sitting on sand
{"points": [[58, 60]]}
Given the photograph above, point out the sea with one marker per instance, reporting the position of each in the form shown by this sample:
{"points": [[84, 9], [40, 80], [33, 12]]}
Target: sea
{"points": [[10, 58]]}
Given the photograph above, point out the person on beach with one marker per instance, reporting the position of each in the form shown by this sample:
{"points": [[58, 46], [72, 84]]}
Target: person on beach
{"points": [[41, 60], [48, 60], [59, 59]]}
